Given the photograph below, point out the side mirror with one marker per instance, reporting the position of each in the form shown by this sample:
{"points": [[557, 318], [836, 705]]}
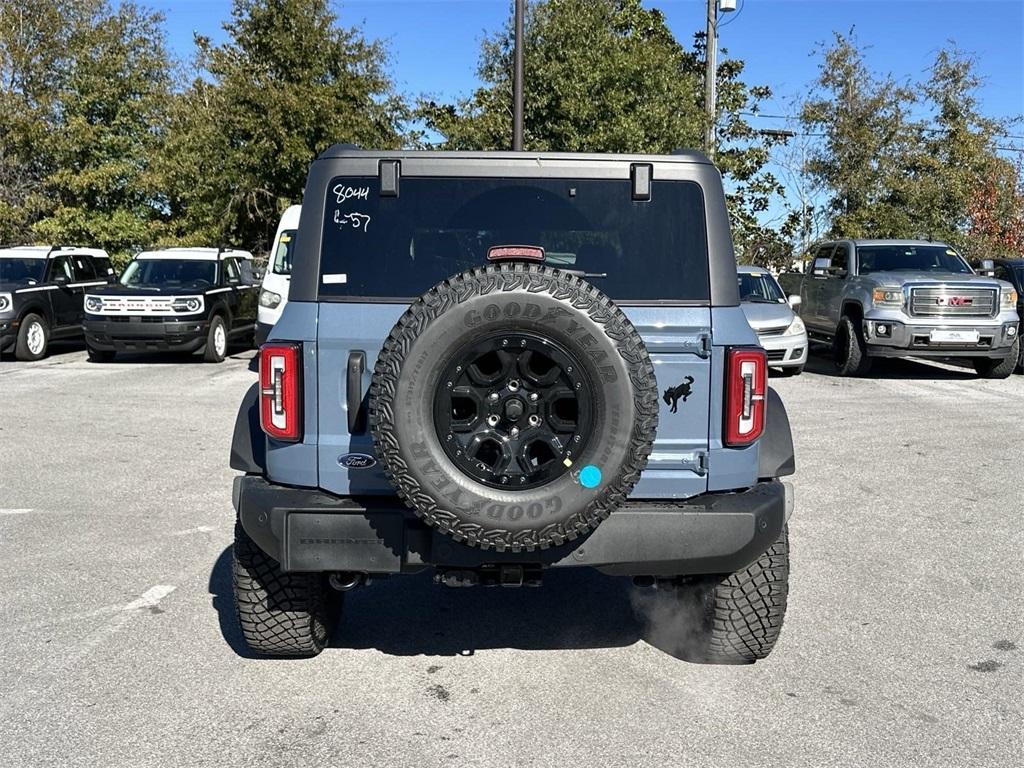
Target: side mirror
{"points": [[794, 300], [987, 267], [837, 272], [820, 267], [61, 280]]}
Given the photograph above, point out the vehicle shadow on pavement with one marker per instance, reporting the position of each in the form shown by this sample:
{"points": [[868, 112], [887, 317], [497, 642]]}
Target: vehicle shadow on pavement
{"points": [[410, 615], [896, 368]]}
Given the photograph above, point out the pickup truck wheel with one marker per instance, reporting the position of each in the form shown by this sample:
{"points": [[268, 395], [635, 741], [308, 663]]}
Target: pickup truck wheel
{"points": [[849, 349], [989, 368], [33, 338], [738, 616], [281, 614], [216, 341], [513, 407]]}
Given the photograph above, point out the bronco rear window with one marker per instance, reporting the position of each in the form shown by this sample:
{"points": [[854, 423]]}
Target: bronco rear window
{"points": [[398, 247]]}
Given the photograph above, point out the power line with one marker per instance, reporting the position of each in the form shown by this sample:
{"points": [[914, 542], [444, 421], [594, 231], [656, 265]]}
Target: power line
{"points": [[930, 129]]}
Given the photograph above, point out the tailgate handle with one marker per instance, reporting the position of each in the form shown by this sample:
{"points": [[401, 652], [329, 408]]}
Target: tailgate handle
{"points": [[354, 392]]}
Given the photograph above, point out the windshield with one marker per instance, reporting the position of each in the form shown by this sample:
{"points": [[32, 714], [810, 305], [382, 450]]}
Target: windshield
{"points": [[162, 273], [760, 288], [912, 258], [22, 270], [283, 255], [398, 247]]}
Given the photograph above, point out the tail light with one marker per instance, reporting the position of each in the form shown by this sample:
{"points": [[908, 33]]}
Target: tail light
{"points": [[745, 391], [281, 391]]}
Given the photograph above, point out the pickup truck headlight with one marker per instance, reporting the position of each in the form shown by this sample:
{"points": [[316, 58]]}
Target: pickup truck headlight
{"points": [[269, 299], [795, 328], [93, 303], [5, 302], [1007, 299], [887, 297], [191, 304]]}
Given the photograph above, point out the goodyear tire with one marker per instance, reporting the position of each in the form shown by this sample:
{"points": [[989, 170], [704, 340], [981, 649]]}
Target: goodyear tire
{"points": [[738, 616], [280, 614], [513, 407]]}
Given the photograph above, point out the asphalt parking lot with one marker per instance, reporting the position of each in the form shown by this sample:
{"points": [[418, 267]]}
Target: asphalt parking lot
{"points": [[903, 645]]}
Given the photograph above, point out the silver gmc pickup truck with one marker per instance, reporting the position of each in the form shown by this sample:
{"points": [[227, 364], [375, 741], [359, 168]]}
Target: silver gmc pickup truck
{"points": [[893, 298]]}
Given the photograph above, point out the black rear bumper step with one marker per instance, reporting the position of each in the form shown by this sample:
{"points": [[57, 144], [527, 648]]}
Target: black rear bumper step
{"points": [[309, 530]]}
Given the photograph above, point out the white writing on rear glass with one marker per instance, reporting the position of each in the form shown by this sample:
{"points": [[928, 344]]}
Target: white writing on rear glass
{"points": [[355, 220], [344, 193]]}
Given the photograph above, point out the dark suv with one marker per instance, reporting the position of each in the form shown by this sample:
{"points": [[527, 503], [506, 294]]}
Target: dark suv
{"points": [[177, 300], [495, 364], [42, 289]]}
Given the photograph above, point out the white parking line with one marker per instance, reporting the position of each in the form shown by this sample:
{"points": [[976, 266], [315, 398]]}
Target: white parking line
{"points": [[14, 511], [197, 529], [150, 598]]}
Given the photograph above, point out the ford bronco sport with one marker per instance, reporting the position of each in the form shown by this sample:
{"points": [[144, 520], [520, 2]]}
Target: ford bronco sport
{"points": [[889, 298], [494, 364]]}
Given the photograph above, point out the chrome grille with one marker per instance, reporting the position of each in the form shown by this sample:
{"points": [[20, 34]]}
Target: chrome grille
{"points": [[951, 301]]}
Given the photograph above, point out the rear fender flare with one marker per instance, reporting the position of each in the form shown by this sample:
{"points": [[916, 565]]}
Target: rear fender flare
{"points": [[775, 448], [249, 444]]}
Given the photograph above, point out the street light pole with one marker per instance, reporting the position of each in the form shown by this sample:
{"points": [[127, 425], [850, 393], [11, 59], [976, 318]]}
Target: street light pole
{"points": [[517, 79], [710, 77]]}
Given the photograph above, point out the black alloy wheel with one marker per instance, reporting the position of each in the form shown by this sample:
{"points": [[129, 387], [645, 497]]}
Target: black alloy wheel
{"points": [[513, 410]]}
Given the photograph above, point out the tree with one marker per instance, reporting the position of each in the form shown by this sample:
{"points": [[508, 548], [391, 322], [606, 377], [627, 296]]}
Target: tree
{"points": [[995, 212], [113, 103], [81, 102], [864, 123], [288, 84], [609, 76]]}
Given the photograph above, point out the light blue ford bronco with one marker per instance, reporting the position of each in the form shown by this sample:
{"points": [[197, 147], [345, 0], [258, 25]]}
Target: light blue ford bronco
{"points": [[496, 364]]}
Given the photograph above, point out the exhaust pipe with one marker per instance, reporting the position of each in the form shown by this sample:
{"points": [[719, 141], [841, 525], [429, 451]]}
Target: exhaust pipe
{"points": [[346, 580]]}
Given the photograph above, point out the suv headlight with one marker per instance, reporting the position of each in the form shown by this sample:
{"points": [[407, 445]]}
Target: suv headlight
{"points": [[795, 328], [93, 303], [269, 299], [5, 302], [1007, 298], [189, 304], [887, 297]]}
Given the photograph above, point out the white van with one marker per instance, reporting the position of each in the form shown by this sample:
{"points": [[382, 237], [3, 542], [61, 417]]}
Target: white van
{"points": [[274, 291]]}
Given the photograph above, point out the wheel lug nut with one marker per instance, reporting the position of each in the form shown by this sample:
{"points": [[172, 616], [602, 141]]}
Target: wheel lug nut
{"points": [[514, 431], [492, 420], [513, 385], [534, 420], [534, 396], [493, 397]]}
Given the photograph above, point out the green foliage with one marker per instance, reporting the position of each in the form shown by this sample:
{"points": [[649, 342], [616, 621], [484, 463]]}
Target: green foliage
{"points": [[84, 91], [287, 85], [900, 160], [608, 76]]}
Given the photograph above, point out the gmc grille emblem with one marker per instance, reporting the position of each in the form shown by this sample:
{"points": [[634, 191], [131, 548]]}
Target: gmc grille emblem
{"points": [[954, 301]]}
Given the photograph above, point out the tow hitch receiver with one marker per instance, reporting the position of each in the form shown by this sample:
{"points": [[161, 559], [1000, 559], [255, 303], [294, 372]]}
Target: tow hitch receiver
{"points": [[492, 576]]}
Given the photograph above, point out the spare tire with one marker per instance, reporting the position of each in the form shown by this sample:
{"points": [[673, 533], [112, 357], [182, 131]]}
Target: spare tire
{"points": [[513, 407]]}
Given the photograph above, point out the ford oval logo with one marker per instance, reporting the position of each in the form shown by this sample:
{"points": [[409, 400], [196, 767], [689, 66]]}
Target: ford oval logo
{"points": [[357, 461]]}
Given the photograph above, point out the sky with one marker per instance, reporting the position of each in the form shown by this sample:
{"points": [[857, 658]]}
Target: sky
{"points": [[434, 44]]}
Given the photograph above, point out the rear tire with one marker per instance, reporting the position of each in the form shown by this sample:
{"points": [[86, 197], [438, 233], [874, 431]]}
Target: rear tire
{"points": [[100, 355], [989, 368], [849, 349], [216, 341], [739, 615], [281, 614], [33, 338]]}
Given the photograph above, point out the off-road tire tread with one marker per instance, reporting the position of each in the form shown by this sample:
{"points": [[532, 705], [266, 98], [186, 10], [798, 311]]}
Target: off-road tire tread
{"points": [[988, 368], [533, 278], [281, 614], [744, 611], [855, 361]]}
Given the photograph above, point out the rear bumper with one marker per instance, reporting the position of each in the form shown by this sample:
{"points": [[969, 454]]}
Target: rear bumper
{"points": [[153, 334], [313, 531]]}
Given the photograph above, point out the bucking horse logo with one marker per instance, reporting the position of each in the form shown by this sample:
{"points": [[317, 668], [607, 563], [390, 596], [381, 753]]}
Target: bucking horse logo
{"points": [[674, 394]]}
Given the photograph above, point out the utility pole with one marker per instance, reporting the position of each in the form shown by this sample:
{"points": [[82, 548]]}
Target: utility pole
{"points": [[711, 70], [517, 79]]}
